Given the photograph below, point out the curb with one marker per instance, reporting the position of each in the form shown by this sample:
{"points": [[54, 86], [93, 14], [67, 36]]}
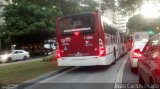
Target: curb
{"points": [[48, 75], [32, 81]]}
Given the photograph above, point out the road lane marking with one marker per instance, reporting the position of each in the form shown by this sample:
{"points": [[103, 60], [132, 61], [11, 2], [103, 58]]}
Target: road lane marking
{"points": [[121, 71]]}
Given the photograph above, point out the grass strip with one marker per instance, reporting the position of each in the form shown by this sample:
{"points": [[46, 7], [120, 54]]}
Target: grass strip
{"points": [[18, 73]]}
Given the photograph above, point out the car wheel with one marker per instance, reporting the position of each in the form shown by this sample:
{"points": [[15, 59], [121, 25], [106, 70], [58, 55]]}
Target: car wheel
{"points": [[134, 70], [151, 84], [140, 79], [9, 59], [25, 58]]}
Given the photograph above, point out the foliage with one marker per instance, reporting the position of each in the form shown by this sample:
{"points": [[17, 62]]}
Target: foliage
{"points": [[67, 7], [130, 5], [140, 23], [126, 5], [108, 4], [89, 5], [28, 20], [33, 21]]}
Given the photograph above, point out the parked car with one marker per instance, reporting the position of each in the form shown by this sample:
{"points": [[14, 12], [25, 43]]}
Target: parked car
{"points": [[149, 61], [139, 41], [13, 55]]}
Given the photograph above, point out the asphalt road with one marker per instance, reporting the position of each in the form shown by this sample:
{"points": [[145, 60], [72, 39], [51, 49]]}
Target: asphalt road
{"points": [[130, 79], [97, 77], [128, 76]]}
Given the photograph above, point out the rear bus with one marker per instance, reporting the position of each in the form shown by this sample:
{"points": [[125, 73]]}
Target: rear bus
{"points": [[80, 40]]}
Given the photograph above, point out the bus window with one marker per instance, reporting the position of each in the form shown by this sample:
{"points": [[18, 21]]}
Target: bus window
{"points": [[106, 38], [114, 39], [111, 39], [83, 23]]}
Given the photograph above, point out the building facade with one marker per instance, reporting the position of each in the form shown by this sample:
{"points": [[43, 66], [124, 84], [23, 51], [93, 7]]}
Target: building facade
{"points": [[119, 18]]}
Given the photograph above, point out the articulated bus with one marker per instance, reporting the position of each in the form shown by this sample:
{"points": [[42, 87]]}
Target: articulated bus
{"points": [[88, 39]]}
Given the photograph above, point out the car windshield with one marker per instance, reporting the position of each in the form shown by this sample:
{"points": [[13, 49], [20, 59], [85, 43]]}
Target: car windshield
{"points": [[139, 45]]}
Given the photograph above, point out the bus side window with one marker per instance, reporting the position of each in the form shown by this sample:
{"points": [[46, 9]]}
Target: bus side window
{"points": [[121, 38], [106, 38], [113, 39], [109, 39], [104, 27], [106, 35], [107, 31], [116, 37]]}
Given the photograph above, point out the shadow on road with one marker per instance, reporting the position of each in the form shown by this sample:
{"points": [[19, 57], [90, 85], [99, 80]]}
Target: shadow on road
{"points": [[90, 69]]}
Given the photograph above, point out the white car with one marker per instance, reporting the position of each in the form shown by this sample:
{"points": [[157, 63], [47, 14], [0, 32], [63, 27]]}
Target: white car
{"points": [[134, 55], [14, 55]]}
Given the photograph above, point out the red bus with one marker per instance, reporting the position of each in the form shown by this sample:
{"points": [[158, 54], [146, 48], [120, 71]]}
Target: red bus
{"points": [[87, 39]]}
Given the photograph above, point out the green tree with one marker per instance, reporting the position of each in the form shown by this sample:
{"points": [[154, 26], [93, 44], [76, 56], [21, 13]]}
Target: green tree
{"points": [[140, 23], [67, 7], [88, 5], [130, 5], [28, 22], [34, 20], [108, 4]]}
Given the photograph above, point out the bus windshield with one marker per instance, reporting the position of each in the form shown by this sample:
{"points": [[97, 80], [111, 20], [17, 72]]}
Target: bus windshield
{"points": [[82, 23]]}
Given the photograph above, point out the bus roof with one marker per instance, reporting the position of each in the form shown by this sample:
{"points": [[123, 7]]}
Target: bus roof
{"points": [[75, 15], [106, 20]]}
